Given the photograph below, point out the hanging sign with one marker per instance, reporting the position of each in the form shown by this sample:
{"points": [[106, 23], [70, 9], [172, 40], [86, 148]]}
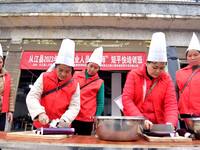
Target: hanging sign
{"points": [[111, 60]]}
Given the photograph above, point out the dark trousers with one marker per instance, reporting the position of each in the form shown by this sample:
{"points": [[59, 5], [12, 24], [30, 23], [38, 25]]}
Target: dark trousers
{"points": [[82, 128], [2, 121]]}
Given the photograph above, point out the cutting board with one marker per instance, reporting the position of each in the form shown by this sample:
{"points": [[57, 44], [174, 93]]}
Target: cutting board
{"points": [[33, 135], [166, 139]]}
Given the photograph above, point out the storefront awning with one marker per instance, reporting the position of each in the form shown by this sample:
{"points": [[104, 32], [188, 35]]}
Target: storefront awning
{"points": [[111, 60]]}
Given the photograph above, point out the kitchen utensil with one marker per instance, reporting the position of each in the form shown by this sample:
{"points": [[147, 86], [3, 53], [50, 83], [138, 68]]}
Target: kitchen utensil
{"points": [[120, 128]]}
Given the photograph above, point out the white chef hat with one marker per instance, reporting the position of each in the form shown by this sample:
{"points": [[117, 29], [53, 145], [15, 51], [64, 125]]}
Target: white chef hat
{"points": [[1, 51], [194, 43], [97, 56], [66, 53], [157, 49]]}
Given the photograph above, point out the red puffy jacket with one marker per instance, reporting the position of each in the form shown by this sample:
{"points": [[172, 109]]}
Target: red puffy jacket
{"points": [[160, 106], [189, 100]]}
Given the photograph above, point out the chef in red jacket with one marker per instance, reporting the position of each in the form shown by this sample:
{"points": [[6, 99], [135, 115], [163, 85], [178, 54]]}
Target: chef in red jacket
{"points": [[188, 82], [7, 101], [92, 94], [56, 95], [149, 90]]}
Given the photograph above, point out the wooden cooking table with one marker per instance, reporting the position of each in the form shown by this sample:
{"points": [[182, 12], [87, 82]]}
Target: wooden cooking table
{"points": [[76, 142]]}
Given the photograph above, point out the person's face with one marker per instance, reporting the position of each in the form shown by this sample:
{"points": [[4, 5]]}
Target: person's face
{"points": [[92, 68], [63, 71], [1, 63], [193, 57], [154, 69]]}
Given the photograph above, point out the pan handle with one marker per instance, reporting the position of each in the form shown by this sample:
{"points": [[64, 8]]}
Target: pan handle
{"points": [[188, 116]]}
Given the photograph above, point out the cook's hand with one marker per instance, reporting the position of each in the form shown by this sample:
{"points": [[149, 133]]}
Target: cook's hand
{"points": [[43, 118], [148, 125], [10, 117], [62, 124]]}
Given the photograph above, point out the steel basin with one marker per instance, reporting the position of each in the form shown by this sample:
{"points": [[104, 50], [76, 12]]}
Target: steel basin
{"points": [[120, 128]]}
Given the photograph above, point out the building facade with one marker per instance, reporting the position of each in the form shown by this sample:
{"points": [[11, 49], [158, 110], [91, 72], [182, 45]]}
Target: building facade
{"points": [[33, 29]]}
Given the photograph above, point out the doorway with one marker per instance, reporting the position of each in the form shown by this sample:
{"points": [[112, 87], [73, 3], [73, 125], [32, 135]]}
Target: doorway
{"points": [[21, 116]]}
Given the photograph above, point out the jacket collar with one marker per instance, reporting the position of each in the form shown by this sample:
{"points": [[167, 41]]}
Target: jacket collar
{"points": [[142, 72]]}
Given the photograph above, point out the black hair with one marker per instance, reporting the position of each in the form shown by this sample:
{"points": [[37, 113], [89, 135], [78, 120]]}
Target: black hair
{"points": [[148, 62]]}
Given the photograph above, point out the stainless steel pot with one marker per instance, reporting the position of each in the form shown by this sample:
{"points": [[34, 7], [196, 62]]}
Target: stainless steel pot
{"points": [[120, 128]]}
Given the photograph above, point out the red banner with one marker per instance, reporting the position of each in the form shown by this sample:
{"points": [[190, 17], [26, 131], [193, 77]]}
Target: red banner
{"points": [[111, 60]]}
